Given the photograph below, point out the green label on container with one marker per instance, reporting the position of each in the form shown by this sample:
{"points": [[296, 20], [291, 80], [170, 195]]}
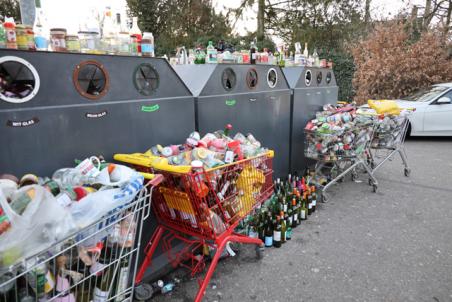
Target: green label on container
{"points": [[231, 102], [150, 108]]}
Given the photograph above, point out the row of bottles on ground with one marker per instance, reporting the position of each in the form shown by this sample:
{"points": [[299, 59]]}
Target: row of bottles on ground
{"points": [[98, 34], [223, 53], [292, 202]]}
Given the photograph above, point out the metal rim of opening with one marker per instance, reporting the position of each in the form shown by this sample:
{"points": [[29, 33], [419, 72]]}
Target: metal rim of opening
{"points": [[252, 78], [153, 81], [228, 79], [328, 77], [319, 77], [80, 89], [272, 81], [33, 72], [308, 77]]}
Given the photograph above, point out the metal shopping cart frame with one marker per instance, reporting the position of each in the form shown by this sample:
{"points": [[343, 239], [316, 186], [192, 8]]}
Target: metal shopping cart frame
{"points": [[386, 144], [83, 242], [184, 204], [341, 164]]}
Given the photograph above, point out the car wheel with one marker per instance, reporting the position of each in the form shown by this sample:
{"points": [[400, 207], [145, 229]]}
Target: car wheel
{"points": [[408, 131]]}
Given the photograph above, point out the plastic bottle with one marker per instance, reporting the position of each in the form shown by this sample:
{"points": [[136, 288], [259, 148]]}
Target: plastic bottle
{"points": [[10, 33], [211, 53], [41, 31]]}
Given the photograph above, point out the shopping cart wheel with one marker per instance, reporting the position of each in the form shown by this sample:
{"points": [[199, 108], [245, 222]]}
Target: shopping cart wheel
{"points": [[324, 197], [407, 172], [374, 188], [260, 252], [354, 176], [143, 292]]}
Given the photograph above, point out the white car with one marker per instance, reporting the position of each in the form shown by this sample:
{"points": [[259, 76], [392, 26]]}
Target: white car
{"points": [[433, 115]]}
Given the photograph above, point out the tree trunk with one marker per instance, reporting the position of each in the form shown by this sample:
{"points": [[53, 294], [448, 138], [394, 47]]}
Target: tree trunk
{"points": [[367, 12], [260, 21], [428, 9], [448, 25]]}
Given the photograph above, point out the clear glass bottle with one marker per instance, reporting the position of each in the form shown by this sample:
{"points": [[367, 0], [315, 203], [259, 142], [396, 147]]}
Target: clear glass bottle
{"points": [[40, 29]]}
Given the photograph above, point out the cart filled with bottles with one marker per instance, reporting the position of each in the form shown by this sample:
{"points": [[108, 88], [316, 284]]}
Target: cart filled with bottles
{"points": [[217, 182], [339, 140], [391, 126], [74, 237]]}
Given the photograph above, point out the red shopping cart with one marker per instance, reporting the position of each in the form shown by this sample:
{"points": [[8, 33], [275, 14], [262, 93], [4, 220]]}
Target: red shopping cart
{"points": [[202, 208]]}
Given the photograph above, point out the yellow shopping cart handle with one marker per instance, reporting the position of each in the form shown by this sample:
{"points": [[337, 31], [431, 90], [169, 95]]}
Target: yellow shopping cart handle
{"points": [[151, 161]]}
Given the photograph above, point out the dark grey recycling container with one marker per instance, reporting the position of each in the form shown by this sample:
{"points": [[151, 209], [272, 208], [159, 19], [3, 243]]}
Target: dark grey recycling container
{"points": [[253, 98], [143, 103], [312, 87]]}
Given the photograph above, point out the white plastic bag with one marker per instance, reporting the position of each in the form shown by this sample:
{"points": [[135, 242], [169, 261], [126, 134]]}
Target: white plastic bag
{"points": [[95, 205], [41, 225]]}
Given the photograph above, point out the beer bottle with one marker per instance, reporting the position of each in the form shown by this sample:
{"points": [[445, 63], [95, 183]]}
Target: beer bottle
{"points": [[283, 227], [294, 213], [314, 198], [269, 232], [277, 233]]}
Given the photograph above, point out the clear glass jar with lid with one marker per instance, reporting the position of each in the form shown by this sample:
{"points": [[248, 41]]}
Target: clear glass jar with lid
{"points": [[89, 41]]}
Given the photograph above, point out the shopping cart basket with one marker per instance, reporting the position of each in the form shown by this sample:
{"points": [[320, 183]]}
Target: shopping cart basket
{"points": [[340, 152], [96, 263], [202, 208], [389, 139]]}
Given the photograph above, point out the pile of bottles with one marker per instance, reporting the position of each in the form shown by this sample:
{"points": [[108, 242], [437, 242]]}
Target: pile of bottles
{"points": [[227, 54], [78, 274], [97, 35], [337, 132], [213, 149], [292, 202]]}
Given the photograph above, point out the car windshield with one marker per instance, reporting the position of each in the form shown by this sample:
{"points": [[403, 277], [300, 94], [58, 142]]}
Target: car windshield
{"points": [[426, 95]]}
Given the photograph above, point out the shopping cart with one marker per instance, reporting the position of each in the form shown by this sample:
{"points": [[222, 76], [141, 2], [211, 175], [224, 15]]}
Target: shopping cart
{"points": [[202, 208], [338, 153], [389, 139], [96, 263]]}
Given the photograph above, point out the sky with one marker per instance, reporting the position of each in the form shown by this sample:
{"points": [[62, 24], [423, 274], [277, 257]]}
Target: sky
{"points": [[69, 14]]}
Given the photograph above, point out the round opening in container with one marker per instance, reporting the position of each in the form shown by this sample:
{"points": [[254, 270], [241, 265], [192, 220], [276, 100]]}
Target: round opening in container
{"points": [[19, 80], [329, 76], [91, 80], [308, 78], [228, 79], [251, 78], [146, 79], [319, 77], [272, 78]]}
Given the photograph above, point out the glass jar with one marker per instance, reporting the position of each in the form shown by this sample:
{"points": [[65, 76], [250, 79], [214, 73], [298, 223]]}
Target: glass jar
{"points": [[89, 41], [124, 43], [21, 37], [30, 38], [58, 39], [72, 44]]}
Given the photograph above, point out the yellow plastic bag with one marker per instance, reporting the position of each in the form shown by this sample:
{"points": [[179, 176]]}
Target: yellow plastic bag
{"points": [[249, 183], [384, 106]]}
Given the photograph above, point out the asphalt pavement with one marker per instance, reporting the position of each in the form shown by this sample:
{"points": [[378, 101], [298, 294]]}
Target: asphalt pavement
{"points": [[393, 245]]}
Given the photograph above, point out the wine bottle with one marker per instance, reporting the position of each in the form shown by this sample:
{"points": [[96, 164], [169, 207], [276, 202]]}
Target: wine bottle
{"points": [[304, 210], [283, 227], [269, 232], [294, 213], [314, 198], [277, 233], [308, 193]]}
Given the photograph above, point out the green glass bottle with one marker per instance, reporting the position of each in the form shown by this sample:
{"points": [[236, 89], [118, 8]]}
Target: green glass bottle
{"points": [[277, 233], [269, 232], [283, 227], [294, 213], [304, 209]]}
